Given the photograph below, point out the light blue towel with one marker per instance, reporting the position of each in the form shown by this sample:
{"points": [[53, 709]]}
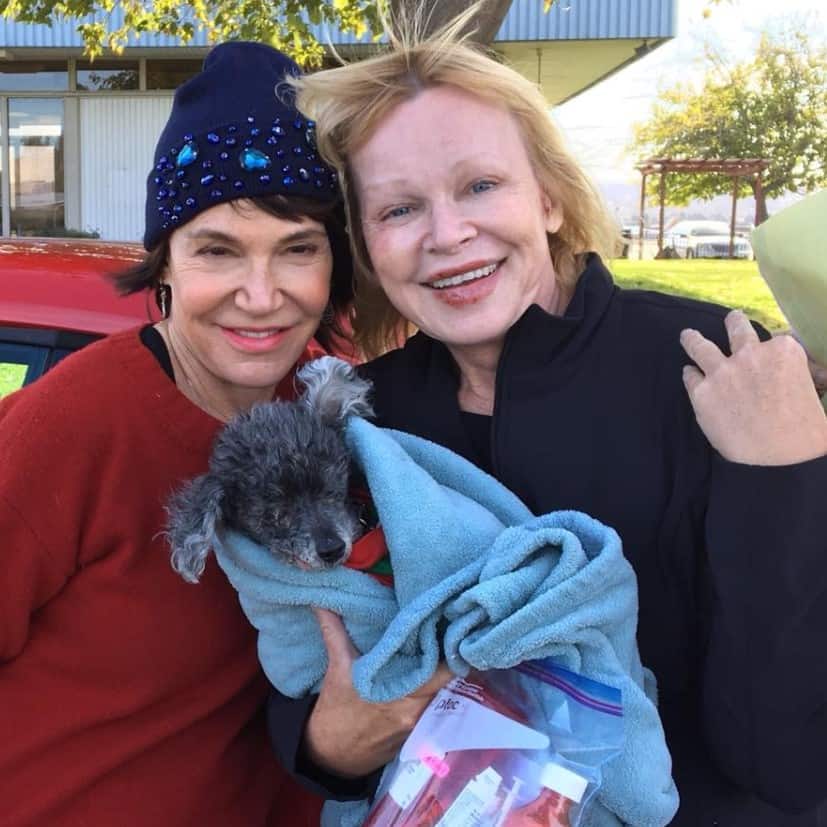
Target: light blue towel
{"points": [[478, 581]]}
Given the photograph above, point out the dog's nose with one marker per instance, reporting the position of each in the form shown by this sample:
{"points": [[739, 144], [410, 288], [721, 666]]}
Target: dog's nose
{"points": [[330, 549]]}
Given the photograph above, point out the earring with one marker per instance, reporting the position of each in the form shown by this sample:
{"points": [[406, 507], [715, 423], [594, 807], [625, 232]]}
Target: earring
{"points": [[163, 298]]}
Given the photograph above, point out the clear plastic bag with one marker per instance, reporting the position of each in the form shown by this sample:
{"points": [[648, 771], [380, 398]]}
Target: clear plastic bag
{"points": [[520, 747]]}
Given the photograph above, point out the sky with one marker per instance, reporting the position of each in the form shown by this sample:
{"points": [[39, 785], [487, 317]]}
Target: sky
{"points": [[598, 123]]}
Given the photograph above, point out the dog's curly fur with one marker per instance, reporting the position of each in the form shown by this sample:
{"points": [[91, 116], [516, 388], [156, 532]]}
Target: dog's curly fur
{"points": [[279, 475]]}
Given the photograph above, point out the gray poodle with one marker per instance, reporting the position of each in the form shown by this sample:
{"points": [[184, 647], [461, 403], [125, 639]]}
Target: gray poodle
{"points": [[278, 474]]}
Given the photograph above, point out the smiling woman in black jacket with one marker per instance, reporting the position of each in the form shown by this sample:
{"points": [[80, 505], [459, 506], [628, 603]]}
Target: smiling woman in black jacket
{"points": [[471, 222]]}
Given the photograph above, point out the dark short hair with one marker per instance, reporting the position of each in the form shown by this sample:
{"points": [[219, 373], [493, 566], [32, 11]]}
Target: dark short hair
{"points": [[147, 274]]}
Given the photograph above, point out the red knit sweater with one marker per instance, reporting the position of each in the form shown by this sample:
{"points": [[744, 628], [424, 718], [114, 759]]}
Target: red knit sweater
{"points": [[127, 696]]}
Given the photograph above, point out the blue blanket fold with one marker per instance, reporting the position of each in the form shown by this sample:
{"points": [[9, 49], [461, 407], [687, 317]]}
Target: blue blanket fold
{"points": [[478, 581]]}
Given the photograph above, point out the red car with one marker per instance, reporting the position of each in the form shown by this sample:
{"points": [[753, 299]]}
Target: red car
{"points": [[54, 298]]}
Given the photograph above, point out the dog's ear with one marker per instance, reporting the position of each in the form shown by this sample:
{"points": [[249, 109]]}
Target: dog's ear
{"points": [[334, 389], [193, 513]]}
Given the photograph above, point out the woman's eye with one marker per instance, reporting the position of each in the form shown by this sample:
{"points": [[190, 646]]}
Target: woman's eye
{"points": [[396, 212], [482, 186], [214, 251], [303, 249]]}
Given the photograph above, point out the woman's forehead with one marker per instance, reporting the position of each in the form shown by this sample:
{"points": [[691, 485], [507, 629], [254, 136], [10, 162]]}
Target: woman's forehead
{"points": [[242, 218], [441, 127]]}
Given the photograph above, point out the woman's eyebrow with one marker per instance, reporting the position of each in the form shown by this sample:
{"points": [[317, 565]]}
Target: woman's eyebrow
{"points": [[209, 234]]}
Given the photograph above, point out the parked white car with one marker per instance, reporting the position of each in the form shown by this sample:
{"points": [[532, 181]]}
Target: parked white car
{"points": [[705, 239]]}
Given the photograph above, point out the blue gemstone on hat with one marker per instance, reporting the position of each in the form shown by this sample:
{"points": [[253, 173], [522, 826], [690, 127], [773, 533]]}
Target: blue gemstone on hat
{"points": [[173, 151], [177, 208], [251, 119], [288, 181], [232, 129], [297, 150], [181, 173], [172, 192], [304, 174], [272, 140], [248, 142], [187, 137], [158, 180], [265, 179], [286, 169], [190, 202], [216, 193], [184, 185], [222, 178], [253, 159], [224, 155], [311, 156], [187, 155], [162, 193], [166, 213], [213, 138], [168, 166], [255, 132], [278, 130], [162, 160], [280, 153], [165, 225], [207, 180], [319, 183], [230, 141], [174, 219], [319, 170], [161, 208], [206, 165], [239, 185], [298, 124]]}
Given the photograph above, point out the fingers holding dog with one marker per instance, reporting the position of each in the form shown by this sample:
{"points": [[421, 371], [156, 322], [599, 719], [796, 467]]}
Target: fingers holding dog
{"points": [[346, 735]]}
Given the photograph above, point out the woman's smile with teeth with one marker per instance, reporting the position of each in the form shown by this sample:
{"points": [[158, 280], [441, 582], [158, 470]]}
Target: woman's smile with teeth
{"points": [[462, 278], [255, 334]]}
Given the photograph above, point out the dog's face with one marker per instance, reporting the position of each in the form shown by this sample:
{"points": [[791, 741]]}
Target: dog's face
{"points": [[285, 478], [279, 474]]}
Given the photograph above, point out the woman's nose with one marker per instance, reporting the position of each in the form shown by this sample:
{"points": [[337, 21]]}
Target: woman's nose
{"points": [[450, 228], [260, 291]]}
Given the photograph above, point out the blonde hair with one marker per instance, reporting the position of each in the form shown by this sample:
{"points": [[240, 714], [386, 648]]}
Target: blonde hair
{"points": [[349, 102]]}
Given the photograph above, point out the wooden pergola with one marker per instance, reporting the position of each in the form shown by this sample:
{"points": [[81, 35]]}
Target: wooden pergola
{"points": [[735, 168]]}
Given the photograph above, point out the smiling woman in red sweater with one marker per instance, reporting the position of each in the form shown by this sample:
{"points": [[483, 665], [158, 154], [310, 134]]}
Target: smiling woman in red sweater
{"points": [[127, 696]]}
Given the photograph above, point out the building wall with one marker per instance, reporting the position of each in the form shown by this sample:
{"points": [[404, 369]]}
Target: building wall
{"points": [[90, 174], [117, 139]]}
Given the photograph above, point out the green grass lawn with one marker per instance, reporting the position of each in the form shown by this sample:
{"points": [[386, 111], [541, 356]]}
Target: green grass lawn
{"points": [[11, 377], [731, 283]]}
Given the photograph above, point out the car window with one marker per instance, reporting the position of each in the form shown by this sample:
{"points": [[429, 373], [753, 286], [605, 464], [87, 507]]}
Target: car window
{"points": [[19, 365]]}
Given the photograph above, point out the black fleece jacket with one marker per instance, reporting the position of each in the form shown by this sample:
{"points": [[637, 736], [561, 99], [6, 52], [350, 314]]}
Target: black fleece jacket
{"points": [[591, 414]]}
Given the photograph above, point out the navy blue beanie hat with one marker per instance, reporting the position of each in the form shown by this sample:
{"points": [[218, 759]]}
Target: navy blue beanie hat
{"points": [[233, 132]]}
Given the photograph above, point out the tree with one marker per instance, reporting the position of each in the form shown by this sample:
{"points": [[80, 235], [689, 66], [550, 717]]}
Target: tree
{"points": [[285, 24], [773, 106]]}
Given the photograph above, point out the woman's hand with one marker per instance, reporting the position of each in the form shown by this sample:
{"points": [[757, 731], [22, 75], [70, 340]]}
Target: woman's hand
{"points": [[758, 406], [346, 735]]}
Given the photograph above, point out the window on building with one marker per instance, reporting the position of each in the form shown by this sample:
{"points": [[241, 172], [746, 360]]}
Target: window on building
{"points": [[36, 166], [170, 74], [34, 76], [107, 75]]}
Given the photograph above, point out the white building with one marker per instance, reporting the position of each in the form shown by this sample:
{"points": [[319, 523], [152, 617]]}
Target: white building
{"points": [[76, 138]]}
